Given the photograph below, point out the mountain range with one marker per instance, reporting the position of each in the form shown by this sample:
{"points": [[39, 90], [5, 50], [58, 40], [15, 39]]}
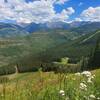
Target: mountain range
{"points": [[81, 27], [10, 29], [33, 44]]}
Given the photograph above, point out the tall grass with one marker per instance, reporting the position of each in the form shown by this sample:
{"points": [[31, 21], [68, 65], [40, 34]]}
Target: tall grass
{"points": [[51, 86]]}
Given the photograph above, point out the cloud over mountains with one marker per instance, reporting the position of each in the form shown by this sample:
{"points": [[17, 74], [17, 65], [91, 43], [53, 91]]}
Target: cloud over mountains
{"points": [[39, 11], [91, 14]]}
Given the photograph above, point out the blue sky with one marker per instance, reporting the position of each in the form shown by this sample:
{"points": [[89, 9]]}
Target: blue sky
{"points": [[78, 5], [41, 11]]}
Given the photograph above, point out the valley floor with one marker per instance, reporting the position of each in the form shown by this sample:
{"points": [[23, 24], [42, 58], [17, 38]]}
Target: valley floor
{"points": [[50, 86]]}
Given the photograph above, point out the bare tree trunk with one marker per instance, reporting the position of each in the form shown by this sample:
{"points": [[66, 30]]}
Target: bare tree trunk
{"points": [[16, 67]]}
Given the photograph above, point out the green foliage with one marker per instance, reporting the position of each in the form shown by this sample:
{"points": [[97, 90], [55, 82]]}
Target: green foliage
{"points": [[5, 70], [4, 80], [50, 86], [29, 52], [84, 63], [88, 28], [64, 61], [74, 49], [95, 55]]}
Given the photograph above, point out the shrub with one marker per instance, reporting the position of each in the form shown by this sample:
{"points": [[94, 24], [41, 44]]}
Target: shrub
{"points": [[7, 70]]}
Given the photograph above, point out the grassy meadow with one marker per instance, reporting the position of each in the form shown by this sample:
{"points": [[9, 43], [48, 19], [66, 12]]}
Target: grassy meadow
{"points": [[49, 64], [51, 86]]}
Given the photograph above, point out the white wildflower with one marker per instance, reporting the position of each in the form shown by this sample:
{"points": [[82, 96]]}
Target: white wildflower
{"points": [[86, 73], [93, 75], [62, 92], [85, 97], [78, 74], [89, 80], [92, 96], [83, 86], [66, 76], [84, 81], [98, 98]]}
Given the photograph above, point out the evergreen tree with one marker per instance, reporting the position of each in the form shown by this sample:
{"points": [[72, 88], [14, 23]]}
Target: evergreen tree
{"points": [[94, 61]]}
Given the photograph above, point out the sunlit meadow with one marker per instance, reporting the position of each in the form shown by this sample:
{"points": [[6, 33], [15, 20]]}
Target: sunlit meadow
{"points": [[50, 86]]}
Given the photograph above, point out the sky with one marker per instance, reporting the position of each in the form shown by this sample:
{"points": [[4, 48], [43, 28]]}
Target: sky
{"points": [[43, 11]]}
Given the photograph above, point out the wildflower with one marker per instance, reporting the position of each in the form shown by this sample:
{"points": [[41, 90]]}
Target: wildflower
{"points": [[66, 76], [84, 81], [89, 80], [62, 92], [83, 86], [86, 73], [78, 74], [85, 97], [92, 96], [93, 75], [98, 98]]}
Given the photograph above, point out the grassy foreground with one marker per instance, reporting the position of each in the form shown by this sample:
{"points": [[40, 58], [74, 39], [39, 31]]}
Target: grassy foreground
{"points": [[50, 86]]}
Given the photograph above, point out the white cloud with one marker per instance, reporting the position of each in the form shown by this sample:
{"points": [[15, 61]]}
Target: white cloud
{"points": [[61, 1], [64, 15], [91, 14], [38, 11], [78, 19], [70, 10]]}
